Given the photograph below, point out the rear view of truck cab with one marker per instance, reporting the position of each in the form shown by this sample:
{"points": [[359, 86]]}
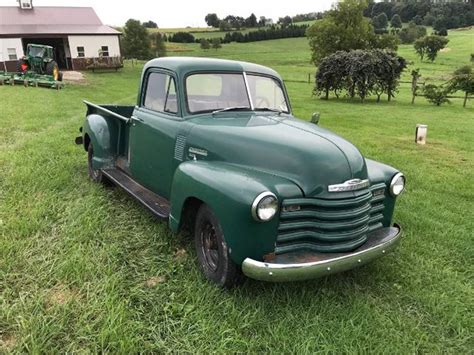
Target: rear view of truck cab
{"points": [[212, 147]]}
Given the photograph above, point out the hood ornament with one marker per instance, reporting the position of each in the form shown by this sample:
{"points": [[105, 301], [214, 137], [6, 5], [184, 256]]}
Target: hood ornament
{"points": [[349, 185]]}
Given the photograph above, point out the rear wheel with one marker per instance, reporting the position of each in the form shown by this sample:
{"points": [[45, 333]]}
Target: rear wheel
{"points": [[94, 174], [212, 251], [22, 66], [52, 69]]}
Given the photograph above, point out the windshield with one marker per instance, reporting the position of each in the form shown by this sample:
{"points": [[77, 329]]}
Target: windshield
{"points": [[213, 92], [36, 51]]}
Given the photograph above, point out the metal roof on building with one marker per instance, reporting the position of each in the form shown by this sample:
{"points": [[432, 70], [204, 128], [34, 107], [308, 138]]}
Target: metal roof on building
{"points": [[52, 20]]}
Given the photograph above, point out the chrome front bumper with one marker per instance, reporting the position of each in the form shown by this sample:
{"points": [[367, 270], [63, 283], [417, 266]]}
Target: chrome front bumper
{"points": [[307, 265]]}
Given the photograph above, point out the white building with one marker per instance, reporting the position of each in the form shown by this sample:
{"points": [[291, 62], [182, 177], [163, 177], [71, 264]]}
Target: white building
{"points": [[75, 33]]}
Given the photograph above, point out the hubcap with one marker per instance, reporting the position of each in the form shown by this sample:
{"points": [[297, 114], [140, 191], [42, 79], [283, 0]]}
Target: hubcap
{"points": [[210, 245]]}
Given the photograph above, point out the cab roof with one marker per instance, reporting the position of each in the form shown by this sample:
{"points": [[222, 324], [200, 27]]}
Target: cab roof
{"points": [[186, 65]]}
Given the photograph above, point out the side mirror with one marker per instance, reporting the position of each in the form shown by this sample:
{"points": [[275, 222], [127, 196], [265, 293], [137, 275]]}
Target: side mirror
{"points": [[315, 118]]}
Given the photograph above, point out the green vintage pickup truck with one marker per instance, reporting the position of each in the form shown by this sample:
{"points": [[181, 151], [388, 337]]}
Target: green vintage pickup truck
{"points": [[212, 147]]}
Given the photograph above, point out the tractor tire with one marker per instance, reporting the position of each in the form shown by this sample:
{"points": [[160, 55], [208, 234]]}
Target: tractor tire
{"points": [[53, 70], [22, 66]]}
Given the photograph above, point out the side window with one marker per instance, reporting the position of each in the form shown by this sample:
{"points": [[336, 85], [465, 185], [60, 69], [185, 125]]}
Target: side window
{"points": [[80, 52], [12, 54], [160, 94], [104, 51]]}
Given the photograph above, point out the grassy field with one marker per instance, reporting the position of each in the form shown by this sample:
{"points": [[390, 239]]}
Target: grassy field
{"points": [[86, 269]]}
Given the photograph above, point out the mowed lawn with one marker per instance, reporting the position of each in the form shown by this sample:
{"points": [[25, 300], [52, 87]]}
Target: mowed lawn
{"points": [[85, 268]]}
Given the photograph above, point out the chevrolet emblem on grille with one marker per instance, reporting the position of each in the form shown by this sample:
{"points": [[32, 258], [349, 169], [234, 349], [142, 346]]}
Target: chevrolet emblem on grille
{"points": [[349, 185]]}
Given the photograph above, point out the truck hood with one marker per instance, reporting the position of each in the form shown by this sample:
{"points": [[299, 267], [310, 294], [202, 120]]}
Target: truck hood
{"points": [[302, 152]]}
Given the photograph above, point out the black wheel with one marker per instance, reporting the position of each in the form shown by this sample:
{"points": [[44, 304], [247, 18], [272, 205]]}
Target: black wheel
{"points": [[22, 66], [52, 69], [94, 174], [212, 251]]}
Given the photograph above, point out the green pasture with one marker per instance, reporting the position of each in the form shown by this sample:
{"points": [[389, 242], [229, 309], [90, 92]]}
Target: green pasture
{"points": [[85, 268]]}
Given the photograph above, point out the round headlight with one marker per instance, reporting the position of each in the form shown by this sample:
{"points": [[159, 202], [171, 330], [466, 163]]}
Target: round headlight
{"points": [[397, 185], [265, 206]]}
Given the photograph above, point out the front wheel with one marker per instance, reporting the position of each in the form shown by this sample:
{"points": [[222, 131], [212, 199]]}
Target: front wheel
{"points": [[212, 251], [52, 69]]}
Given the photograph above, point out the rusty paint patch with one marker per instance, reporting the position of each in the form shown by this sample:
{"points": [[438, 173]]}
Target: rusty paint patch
{"points": [[269, 257]]}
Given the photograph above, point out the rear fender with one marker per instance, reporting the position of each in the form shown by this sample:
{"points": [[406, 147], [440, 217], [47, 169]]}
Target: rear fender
{"points": [[230, 191], [102, 132]]}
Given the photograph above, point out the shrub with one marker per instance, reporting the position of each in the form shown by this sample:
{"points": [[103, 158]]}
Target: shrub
{"points": [[205, 44], [182, 37], [360, 73], [436, 94]]}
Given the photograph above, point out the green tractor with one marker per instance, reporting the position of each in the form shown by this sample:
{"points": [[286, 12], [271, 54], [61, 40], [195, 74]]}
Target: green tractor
{"points": [[39, 59]]}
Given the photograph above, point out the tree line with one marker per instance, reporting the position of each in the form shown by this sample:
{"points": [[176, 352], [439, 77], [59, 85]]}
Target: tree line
{"points": [[272, 32], [440, 15]]}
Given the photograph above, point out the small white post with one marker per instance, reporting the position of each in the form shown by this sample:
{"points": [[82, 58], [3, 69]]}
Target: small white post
{"points": [[420, 133]]}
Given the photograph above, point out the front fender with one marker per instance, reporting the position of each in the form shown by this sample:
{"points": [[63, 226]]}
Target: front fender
{"points": [[230, 190], [102, 132], [380, 173]]}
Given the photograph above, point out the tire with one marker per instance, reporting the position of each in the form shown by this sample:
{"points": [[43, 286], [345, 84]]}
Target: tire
{"points": [[20, 66], [94, 174], [52, 69], [212, 251]]}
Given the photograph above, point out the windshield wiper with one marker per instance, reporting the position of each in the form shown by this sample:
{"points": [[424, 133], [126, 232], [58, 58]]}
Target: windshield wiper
{"points": [[269, 110], [233, 108]]}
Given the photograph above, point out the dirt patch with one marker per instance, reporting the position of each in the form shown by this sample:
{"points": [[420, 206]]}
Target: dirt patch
{"points": [[180, 254], [72, 76], [155, 280], [7, 342], [445, 50], [60, 295]]}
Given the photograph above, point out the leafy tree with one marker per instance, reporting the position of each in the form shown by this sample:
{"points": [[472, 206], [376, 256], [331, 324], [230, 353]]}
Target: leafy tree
{"points": [[411, 33], [436, 94], [285, 21], [158, 44], [212, 20], [225, 25], [216, 43], [182, 37], [136, 41], [396, 22], [429, 46], [463, 80], [251, 21], [380, 21], [150, 24], [205, 44], [360, 73], [343, 28]]}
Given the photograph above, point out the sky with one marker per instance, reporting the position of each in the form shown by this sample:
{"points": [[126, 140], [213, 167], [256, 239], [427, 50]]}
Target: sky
{"points": [[180, 13]]}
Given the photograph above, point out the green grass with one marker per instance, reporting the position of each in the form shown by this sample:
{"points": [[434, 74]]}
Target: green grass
{"points": [[85, 268]]}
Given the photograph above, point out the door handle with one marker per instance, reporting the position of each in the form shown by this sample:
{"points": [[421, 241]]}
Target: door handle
{"points": [[134, 118]]}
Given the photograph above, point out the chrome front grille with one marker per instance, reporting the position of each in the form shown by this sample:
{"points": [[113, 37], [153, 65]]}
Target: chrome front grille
{"points": [[330, 225]]}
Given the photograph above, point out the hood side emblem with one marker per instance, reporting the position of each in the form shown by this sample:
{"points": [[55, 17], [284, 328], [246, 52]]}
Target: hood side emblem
{"points": [[349, 185]]}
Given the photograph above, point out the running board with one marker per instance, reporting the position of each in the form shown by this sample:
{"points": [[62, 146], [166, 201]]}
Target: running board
{"points": [[157, 205]]}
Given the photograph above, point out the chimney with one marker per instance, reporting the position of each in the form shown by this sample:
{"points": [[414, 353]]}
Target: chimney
{"points": [[25, 4]]}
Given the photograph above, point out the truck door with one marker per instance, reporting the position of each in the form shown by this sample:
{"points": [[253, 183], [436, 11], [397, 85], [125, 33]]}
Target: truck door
{"points": [[155, 124]]}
